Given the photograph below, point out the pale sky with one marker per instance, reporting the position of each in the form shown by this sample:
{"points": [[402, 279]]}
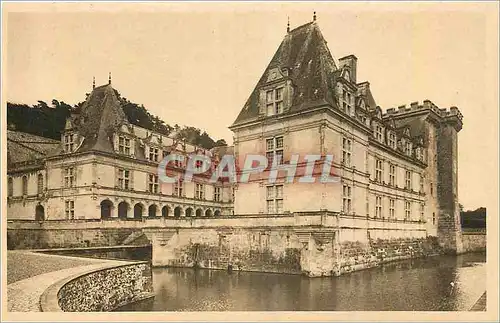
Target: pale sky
{"points": [[196, 64]]}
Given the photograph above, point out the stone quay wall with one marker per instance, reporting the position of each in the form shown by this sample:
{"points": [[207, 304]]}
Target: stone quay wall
{"points": [[101, 290], [474, 240]]}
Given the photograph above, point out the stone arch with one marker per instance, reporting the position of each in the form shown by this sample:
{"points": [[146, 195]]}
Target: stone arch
{"points": [[208, 212], [39, 213], [123, 210], [166, 211], [138, 210], [152, 211], [199, 212], [217, 213], [106, 208], [189, 211], [178, 211]]}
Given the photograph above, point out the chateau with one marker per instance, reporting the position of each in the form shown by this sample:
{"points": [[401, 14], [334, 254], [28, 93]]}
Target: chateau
{"points": [[397, 171]]}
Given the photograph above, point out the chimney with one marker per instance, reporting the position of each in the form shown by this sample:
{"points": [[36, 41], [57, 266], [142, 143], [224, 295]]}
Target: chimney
{"points": [[352, 62]]}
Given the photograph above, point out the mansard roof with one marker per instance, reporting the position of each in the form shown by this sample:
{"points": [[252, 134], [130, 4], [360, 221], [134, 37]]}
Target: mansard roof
{"points": [[305, 57]]}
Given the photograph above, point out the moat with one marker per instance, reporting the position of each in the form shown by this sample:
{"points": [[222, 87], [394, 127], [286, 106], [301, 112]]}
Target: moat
{"points": [[413, 285]]}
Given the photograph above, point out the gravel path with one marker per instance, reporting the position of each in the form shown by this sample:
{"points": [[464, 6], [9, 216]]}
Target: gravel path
{"points": [[40, 271]]}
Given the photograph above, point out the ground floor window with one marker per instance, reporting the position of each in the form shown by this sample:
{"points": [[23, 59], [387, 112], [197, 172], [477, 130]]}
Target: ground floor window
{"points": [[70, 209]]}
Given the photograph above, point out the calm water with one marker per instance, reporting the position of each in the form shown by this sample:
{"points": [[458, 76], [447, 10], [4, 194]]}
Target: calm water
{"points": [[418, 285]]}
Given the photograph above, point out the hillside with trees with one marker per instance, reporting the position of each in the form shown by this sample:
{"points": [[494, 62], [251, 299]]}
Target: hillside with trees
{"points": [[48, 121]]}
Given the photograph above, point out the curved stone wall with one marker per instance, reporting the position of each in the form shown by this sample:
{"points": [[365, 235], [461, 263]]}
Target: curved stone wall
{"points": [[104, 289]]}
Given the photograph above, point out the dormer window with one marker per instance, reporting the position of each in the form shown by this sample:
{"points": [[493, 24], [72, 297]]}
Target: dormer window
{"points": [[408, 148], [69, 142], [124, 145], [274, 101], [392, 140], [153, 154], [418, 153], [346, 102], [378, 133]]}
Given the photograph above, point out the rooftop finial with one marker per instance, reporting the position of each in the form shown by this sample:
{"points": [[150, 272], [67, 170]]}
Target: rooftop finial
{"points": [[314, 16], [93, 82], [288, 25], [109, 80]]}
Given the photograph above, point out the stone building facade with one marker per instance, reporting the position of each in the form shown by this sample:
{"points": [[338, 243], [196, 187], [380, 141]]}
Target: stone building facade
{"points": [[104, 167], [398, 167]]}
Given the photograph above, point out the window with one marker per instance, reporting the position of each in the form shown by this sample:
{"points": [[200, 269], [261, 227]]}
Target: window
{"points": [[408, 148], [408, 180], [25, 185], [433, 218], [347, 102], [275, 199], [274, 149], [124, 179], [392, 175], [407, 210], [124, 145], [378, 206], [392, 208], [69, 177], [392, 140], [179, 188], [198, 164], [346, 199], [39, 184], [153, 183], [232, 194], [421, 183], [422, 208], [418, 153], [216, 194], [199, 192], [10, 186], [346, 151], [379, 168], [378, 133], [432, 190], [177, 163], [274, 101], [153, 154], [70, 209], [69, 142]]}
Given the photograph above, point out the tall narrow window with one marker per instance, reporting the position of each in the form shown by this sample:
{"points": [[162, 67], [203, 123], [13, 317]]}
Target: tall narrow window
{"points": [[432, 189], [346, 151], [217, 194], [433, 218], [408, 185], [232, 194], [199, 192], [422, 208], [274, 149], [392, 175], [39, 183], [124, 179], [178, 188], [69, 142], [69, 177], [10, 184], [408, 148], [153, 183], [274, 199], [347, 102], [392, 140], [379, 168], [378, 206], [378, 133], [346, 199], [274, 101], [153, 154], [70, 209], [407, 210], [124, 145], [421, 183], [25, 185], [392, 209]]}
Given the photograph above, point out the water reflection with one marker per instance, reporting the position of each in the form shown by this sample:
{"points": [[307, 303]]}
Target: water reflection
{"points": [[416, 285]]}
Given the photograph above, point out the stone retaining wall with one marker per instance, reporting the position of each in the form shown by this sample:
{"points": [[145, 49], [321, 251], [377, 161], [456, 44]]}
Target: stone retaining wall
{"points": [[100, 290], [474, 241]]}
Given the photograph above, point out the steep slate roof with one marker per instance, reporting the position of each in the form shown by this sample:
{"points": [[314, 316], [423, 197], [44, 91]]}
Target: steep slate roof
{"points": [[23, 146], [98, 119], [305, 54]]}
